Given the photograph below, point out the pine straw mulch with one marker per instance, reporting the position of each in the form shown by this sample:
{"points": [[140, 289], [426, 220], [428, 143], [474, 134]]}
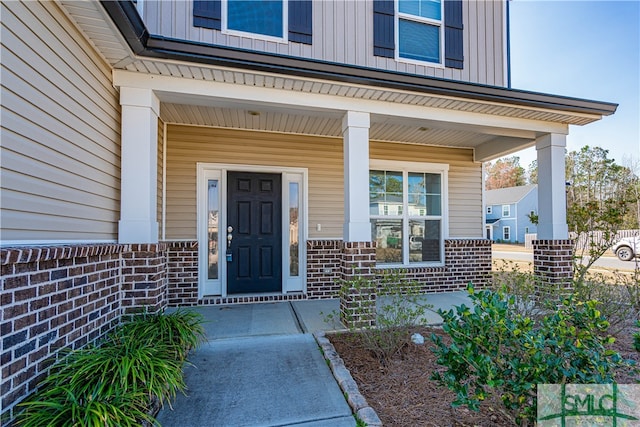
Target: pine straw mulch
{"points": [[403, 394]]}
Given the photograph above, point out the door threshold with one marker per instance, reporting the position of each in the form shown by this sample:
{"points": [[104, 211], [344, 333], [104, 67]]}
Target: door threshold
{"points": [[252, 298]]}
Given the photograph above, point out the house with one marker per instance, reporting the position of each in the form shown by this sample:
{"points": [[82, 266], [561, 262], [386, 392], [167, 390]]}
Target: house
{"points": [[173, 153], [508, 211]]}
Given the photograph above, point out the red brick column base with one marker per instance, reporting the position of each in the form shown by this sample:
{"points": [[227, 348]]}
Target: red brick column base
{"points": [[358, 304], [144, 278], [552, 266]]}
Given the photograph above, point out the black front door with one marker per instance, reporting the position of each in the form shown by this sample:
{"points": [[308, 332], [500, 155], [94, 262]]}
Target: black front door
{"points": [[254, 212]]}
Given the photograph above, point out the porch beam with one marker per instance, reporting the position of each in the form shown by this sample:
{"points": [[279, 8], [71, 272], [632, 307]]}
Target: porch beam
{"points": [[552, 199], [200, 92], [139, 166], [355, 131], [500, 146]]}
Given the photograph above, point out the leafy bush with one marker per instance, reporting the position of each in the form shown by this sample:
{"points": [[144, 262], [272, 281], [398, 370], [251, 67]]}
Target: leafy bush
{"points": [[495, 349], [114, 383], [404, 308], [636, 338]]}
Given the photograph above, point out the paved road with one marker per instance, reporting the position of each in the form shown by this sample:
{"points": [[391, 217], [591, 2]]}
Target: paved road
{"points": [[608, 262]]}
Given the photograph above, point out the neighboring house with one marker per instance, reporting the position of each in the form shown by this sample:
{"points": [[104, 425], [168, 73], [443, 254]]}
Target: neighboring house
{"points": [[167, 153], [507, 213]]}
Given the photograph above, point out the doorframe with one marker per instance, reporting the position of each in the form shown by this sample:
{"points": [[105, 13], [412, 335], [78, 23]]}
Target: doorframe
{"points": [[207, 171]]}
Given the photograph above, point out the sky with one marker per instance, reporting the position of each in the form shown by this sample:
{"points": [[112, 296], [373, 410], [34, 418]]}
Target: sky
{"points": [[583, 49]]}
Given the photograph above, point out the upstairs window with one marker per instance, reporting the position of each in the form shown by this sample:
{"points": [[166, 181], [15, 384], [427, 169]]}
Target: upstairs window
{"points": [[489, 210], [506, 210], [279, 20], [264, 17], [420, 30], [428, 31]]}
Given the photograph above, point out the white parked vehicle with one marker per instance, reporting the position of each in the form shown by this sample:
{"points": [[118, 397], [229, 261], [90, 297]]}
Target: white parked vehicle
{"points": [[627, 248]]}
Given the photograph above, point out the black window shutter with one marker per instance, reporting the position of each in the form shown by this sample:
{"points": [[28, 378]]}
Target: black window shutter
{"points": [[453, 50], [207, 14], [383, 32], [300, 21]]}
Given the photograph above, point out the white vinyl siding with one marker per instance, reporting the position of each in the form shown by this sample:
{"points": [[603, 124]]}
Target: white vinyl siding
{"points": [[343, 33], [60, 130]]}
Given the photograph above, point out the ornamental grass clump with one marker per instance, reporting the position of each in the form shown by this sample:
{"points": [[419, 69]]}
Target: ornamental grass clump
{"points": [[495, 349], [136, 366]]}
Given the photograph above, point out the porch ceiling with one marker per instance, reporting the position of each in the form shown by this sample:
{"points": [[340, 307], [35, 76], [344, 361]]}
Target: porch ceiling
{"points": [[317, 123]]}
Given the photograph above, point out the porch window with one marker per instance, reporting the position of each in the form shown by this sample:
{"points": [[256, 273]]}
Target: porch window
{"points": [[263, 17], [406, 211]]}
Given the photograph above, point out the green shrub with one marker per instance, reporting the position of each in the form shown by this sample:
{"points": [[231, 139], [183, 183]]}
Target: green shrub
{"points": [[404, 308], [116, 382], [636, 338], [495, 349], [180, 331]]}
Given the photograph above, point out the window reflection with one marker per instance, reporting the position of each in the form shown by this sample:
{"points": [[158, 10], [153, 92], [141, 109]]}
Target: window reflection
{"points": [[294, 264], [212, 227], [387, 233]]}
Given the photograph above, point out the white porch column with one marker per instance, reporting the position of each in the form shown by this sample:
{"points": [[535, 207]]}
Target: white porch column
{"points": [[355, 131], [139, 170], [552, 204]]}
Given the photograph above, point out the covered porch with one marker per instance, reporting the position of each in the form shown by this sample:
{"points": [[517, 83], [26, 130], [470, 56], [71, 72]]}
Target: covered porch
{"points": [[185, 139]]}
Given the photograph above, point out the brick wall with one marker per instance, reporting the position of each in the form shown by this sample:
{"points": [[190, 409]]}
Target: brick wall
{"points": [[552, 266], [144, 279], [324, 259], [466, 261], [53, 298], [182, 273]]}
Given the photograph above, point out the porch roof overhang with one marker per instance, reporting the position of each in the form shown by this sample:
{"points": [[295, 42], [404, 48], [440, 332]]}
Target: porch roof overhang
{"points": [[192, 80]]}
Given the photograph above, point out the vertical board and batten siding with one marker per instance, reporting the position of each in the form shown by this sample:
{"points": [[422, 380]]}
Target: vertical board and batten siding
{"points": [[343, 33], [187, 145], [465, 181], [60, 148]]}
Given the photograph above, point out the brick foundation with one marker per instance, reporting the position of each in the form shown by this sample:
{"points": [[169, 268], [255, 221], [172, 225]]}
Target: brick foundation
{"points": [[182, 273], [144, 279], [323, 268], [358, 304], [53, 298], [552, 266]]}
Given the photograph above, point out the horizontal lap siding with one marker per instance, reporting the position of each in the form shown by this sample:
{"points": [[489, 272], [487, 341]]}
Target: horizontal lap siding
{"points": [[187, 145], [343, 33], [465, 181], [60, 149]]}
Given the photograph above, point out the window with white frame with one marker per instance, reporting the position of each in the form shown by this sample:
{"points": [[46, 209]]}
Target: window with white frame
{"points": [[262, 17], [506, 233], [506, 210], [489, 210], [412, 234], [420, 30]]}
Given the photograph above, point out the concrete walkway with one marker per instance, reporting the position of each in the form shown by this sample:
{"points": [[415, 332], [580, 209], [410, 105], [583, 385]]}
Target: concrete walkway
{"points": [[262, 367]]}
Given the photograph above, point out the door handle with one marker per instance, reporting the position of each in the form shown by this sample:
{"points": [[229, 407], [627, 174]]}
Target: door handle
{"points": [[229, 236]]}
